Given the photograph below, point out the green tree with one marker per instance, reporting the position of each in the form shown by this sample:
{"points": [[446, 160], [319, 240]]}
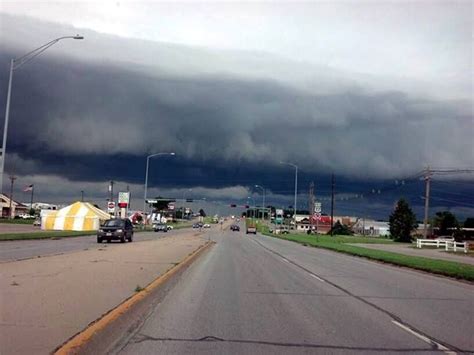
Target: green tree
{"points": [[402, 222], [469, 223], [341, 229], [445, 221]]}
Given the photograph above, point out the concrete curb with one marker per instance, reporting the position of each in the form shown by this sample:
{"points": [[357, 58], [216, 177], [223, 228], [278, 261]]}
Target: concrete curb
{"points": [[76, 343]]}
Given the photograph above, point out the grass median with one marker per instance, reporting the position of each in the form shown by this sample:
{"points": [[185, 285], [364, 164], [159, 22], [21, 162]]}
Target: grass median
{"points": [[44, 235], [16, 221], [339, 244]]}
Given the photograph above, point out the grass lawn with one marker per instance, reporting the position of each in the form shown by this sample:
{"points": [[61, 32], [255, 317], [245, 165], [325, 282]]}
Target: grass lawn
{"points": [[339, 244], [17, 221]]}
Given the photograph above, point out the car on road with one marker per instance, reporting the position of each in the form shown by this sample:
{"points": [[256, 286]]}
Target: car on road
{"points": [[115, 229], [235, 228], [37, 222], [206, 226], [197, 225], [251, 228], [169, 227], [159, 227]]}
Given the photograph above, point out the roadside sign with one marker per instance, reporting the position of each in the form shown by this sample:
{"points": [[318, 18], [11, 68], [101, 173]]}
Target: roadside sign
{"points": [[151, 201], [111, 207], [171, 206], [317, 207], [124, 198]]}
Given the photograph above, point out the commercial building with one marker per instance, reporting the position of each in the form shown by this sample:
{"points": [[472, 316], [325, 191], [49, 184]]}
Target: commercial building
{"points": [[371, 228], [17, 208]]}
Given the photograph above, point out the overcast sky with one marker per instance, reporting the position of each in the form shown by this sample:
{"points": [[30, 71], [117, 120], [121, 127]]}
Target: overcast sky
{"points": [[370, 91]]}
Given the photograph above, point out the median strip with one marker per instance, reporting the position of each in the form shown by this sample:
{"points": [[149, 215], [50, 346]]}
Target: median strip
{"points": [[74, 344]]}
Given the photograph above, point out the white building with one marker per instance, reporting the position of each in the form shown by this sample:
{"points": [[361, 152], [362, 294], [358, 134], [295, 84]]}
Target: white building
{"points": [[371, 228]]}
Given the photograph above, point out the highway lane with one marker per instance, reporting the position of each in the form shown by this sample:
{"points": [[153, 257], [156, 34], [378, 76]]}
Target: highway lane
{"points": [[264, 295], [25, 249]]}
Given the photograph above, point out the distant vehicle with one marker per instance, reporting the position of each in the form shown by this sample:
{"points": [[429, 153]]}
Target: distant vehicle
{"points": [[235, 228], [232, 217], [159, 227], [197, 225], [282, 230], [238, 219], [206, 226], [26, 216], [445, 238], [251, 228], [37, 222], [116, 229], [169, 227]]}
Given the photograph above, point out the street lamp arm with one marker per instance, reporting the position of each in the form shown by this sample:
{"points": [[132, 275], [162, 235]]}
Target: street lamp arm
{"points": [[154, 155], [290, 164], [18, 62]]}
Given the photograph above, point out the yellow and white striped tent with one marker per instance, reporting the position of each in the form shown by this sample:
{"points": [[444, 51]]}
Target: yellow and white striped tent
{"points": [[80, 216]]}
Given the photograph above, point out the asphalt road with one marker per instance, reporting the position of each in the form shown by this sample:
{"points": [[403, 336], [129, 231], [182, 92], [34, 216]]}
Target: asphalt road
{"points": [[26, 249], [259, 295]]}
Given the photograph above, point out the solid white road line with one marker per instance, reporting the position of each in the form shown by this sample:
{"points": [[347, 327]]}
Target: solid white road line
{"points": [[424, 338], [317, 278]]}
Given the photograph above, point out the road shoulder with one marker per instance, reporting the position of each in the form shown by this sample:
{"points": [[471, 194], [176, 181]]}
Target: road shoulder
{"points": [[48, 300]]}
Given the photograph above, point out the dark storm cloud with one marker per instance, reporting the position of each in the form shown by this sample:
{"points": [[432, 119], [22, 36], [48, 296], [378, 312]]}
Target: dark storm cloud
{"points": [[67, 107], [96, 120]]}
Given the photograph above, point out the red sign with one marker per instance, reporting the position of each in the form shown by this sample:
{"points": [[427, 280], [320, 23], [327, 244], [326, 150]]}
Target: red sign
{"points": [[122, 204]]}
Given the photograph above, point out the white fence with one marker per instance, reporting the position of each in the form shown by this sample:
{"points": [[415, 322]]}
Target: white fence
{"points": [[455, 246], [447, 244]]}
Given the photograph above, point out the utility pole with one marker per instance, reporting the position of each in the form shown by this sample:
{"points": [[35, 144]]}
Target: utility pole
{"points": [[82, 196], [427, 200], [32, 193], [12, 179], [111, 189], [129, 198], [332, 201], [311, 203]]}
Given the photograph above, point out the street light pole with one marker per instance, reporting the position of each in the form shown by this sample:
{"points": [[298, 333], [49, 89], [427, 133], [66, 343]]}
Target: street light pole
{"points": [[263, 189], [146, 178], [296, 186], [184, 203], [16, 64]]}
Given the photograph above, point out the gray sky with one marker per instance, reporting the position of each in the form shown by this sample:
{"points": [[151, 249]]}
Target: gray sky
{"points": [[426, 41]]}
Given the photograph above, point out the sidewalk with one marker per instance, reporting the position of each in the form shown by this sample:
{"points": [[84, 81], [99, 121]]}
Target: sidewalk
{"points": [[45, 301], [409, 249]]}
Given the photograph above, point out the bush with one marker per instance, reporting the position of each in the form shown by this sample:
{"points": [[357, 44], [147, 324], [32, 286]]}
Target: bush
{"points": [[340, 229]]}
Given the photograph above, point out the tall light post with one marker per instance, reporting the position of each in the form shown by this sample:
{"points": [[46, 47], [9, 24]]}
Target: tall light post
{"points": [[263, 205], [184, 202], [16, 64], [146, 177], [296, 186], [253, 205]]}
